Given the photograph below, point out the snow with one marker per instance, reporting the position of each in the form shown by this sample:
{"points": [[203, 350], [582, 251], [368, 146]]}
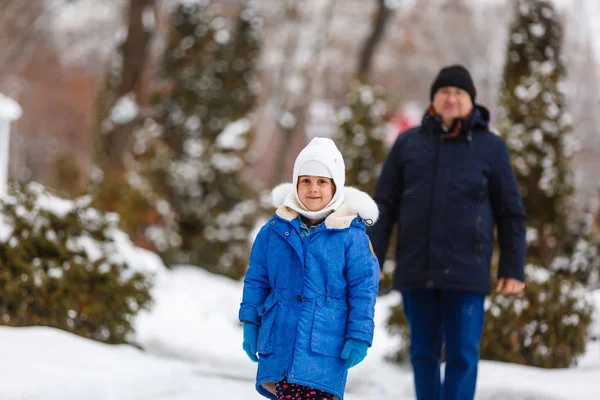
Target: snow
{"points": [[233, 136], [287, 120], [211, 340], [5, 230], [367, 97], [45, 363], [591, 12], [222, 36], [9, 109], [125, 110], [148, 19], [192, 343], [396, 4], [79, 28], [226, 163], [321, 120], [537, 30], [119, 249]]}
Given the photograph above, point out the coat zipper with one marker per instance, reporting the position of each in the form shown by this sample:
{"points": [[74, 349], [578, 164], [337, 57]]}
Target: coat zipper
{"points": [[438, 148], [287, 372]]}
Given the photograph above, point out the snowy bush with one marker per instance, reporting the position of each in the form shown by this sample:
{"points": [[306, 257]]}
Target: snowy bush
{"points": [[581, 257], [61, 265], [190, 153], [361, 135], [398, 326], [548, 325], [545, 327]]}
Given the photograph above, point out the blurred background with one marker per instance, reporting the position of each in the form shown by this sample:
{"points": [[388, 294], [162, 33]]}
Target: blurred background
{"points": [[159, 127], [57, 56]]}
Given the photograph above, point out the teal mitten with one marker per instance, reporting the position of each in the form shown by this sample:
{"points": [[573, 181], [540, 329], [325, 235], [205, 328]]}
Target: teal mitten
{"points": [[354, 352], [250, 339]]}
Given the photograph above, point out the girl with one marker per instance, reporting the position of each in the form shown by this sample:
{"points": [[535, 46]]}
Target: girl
{"points": [[310, 290]]}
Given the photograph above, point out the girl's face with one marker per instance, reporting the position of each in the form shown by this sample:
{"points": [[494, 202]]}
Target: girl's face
{"points": [[315, 192]]}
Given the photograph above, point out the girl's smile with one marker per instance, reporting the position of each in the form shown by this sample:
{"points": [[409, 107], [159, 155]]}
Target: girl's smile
{"points": [[315, 192]]}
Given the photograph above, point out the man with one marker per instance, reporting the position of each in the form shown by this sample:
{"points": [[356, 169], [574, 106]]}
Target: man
{"points": [[444, 185]]}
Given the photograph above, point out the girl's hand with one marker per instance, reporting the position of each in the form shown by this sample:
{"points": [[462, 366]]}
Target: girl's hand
{"points": [[354, 352], [250, 340]]}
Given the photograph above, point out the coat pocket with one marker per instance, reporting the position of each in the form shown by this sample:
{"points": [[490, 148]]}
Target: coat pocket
{"points": [[264, 344], [328, 331]]}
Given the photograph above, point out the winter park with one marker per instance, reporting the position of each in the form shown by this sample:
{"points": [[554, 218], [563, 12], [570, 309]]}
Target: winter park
{"points": [[325, 199]]}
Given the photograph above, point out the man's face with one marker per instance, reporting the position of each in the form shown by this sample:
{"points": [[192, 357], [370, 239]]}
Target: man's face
{"points": [[450, 102]]}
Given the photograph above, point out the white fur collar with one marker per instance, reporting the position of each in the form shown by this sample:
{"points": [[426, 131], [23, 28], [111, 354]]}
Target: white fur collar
{"points": [[356, 203]]}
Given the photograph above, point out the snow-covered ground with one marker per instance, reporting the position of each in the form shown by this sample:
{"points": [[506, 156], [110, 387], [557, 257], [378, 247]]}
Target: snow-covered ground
{"points": [[193, 351]]}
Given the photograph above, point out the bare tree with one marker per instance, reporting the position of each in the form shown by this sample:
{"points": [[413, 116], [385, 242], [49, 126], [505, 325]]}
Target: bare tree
{"points": [[378, 29], [20, 26], [433, 33], [583, 101], [116, 137], [135, 48], [299, 43]]}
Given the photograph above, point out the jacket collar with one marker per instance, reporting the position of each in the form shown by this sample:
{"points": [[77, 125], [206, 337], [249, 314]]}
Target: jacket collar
{"points": [[479, 118], [356, 204]]}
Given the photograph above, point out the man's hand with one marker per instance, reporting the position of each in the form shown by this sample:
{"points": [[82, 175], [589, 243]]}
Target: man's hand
{"points": [[381, 275], [509, 286]]}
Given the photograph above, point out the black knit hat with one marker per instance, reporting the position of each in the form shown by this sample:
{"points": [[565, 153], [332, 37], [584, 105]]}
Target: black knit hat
{"points": [[457, 76]]}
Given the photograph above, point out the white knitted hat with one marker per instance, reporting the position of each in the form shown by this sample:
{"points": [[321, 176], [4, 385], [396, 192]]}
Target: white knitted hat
{"points": [[321, 151], [319, 158], [315, 168]]}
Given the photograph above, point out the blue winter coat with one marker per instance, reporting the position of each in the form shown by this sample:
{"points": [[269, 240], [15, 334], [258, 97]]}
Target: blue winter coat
{"points": [[445, 195], [309, 296]]}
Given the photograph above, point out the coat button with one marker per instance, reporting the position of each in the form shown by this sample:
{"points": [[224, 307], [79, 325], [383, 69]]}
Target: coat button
{"points": [[287, 234], [291, 376], [299, 298], [272, 222], [332, 318]]}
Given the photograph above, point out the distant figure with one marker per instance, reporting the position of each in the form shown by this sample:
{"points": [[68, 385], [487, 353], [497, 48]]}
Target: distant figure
{"points": [[310, 290], [444, 185]]}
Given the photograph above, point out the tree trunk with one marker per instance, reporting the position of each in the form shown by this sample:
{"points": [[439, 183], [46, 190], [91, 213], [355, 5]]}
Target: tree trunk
{"points": [[368, 51], [18, 37], [135, 48], [116, 140]]}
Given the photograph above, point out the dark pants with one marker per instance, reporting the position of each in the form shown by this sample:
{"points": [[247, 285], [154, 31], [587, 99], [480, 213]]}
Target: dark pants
{"points": [[285, 390], [452, 317]]}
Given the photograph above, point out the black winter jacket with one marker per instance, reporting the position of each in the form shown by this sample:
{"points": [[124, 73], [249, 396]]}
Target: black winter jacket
{"points": [[445, 195]]}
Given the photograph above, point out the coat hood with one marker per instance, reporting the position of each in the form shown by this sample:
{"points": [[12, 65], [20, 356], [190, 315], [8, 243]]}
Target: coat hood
{"points": [[478, 119], [356, 203]]}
